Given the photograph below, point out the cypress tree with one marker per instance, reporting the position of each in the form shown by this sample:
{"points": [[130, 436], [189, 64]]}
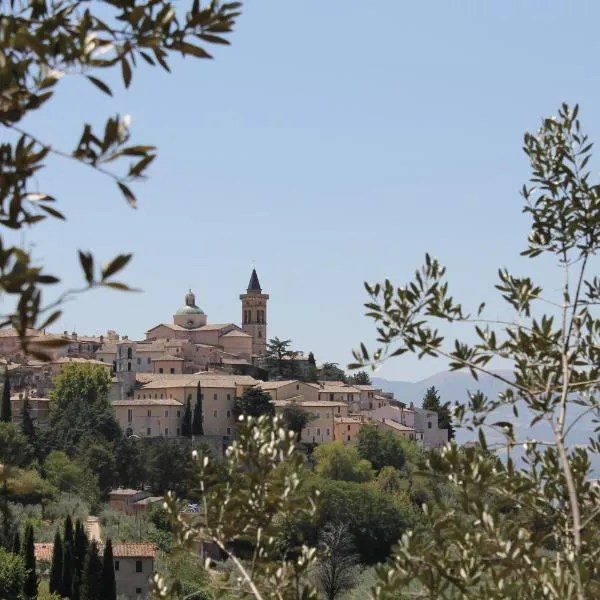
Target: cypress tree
{"points": [[186, 423], [27, 426], [6, 410], [68, 569], [57, 565], [16, 545], [109, 585], [30, 584], [91, 576], [68, 536], [80, 547], [197, 425]]}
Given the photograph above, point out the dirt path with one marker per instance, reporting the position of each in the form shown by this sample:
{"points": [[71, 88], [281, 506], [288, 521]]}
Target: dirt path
{"points": [[92, 528]]}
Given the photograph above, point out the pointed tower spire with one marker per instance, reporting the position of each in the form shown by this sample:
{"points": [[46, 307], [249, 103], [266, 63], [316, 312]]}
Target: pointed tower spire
{"points": [[254, 285]]}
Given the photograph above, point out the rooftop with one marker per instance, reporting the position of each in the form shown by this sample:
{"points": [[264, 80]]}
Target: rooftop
{"points": [[134, 550], [147, 402], [124, 492]]}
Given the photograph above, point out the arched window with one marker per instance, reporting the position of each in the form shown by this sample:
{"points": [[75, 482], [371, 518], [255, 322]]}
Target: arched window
{"points": [[129, 353], [129, 366], [259, 333]]}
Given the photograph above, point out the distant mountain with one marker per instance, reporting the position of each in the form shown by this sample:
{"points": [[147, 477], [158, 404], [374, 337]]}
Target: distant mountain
{"points": [[454, 386]]}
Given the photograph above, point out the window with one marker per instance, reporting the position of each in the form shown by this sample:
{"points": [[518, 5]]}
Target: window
{"points": [[178, 432], [161, 396], [138, 591], [297, 386], [348, 427], [149, 413], [129, 353], [155, 396], [229, 431], [116, 565], [172, 371], [148, 431], [215, 414], [139, 361], [214, 396], [144, 396], [327, 432], [348, 438], [228, 414], [308, 431], [138, 397], [148, 360], [330, 397], [138, 566], [166, 431], [160, 369], [129, 415], [228, 396], [178, 414], [129, 366], [339, 409], [259, 333], [166, 412], [318, 432], [429, 425]]}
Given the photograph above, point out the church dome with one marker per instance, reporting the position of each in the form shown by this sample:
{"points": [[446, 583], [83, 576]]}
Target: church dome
{"points": [[190, 308]]}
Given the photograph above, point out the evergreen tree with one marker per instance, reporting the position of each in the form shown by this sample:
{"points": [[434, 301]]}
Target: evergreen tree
{"points": [[431, 401], [79, 548], [69, 534], [91, 576], [68, 569], [30, 585], [6, 409], [186, 423], [57, 565], [311, 360], [109, 585], [16, 545], [197, 422], [27, 425]]}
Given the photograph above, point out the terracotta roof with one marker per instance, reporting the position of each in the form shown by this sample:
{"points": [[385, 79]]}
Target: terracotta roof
{"points": [[395, 424], [234, 361], [366, 388], [167, 357], [11, 332], [237, 333], [87, 361], [147, 402], [213, 327], [134, 550], [43, 551], [337, 388], [149, 500], [307, 403]]}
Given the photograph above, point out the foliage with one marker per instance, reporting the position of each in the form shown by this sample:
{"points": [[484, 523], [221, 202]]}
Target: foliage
{"points": [[360, 378], [12, 575], [278, 355], [61, 472], [186, 422], [514, 530], [28, 487], [254, 402], [198, 416], [30, 583], [15, 450], [260, 491], [27, 426], [80, 406], [295, 419], [311, 360], [374, 519], [431, 401], [131, 462], [337, 568], [91, 577], [186, 574], [6, 408], [340, 461], [98, 457], [56, 570], [331, 371], [381, 449], [109, 585], [41, 42]]}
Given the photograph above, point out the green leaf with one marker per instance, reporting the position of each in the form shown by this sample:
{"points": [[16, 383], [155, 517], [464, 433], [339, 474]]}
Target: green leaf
{"points": [[117, 285], [187, 48], [116, 264], [87, 264], [128, 194], [126, 70], [100, 84]]}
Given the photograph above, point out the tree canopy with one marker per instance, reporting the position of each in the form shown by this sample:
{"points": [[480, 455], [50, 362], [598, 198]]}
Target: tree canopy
{"points": [[254, 402]]}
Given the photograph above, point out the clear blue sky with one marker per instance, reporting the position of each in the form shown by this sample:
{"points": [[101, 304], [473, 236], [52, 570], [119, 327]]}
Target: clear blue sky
{"points": [[333, 142]]}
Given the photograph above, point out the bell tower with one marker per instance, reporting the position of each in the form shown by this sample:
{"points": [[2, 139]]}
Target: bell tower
{"points": [[254, 314]]}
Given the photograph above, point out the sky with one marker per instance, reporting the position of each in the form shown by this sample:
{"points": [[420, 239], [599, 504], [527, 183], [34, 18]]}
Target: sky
{"points": [[332, 143]]}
